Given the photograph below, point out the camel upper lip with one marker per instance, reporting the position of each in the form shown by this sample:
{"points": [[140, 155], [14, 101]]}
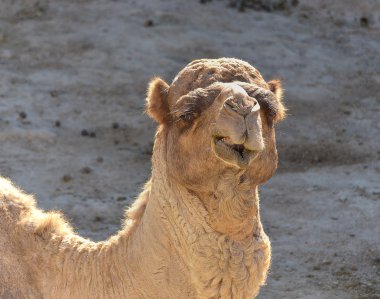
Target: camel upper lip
{"points": [[235, 153], [238, 148]]}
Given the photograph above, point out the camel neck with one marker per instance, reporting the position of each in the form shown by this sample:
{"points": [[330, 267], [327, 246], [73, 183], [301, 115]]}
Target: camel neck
{"points": [[204, 259], [180, 235], [229, 207]]}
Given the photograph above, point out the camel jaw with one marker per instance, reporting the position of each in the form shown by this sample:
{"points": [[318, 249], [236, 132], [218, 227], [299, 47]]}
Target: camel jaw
{"points": [[235, 154]]}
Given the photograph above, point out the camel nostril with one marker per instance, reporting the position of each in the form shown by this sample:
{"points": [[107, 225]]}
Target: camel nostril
{"points": [[231, 104], [241, 106]]}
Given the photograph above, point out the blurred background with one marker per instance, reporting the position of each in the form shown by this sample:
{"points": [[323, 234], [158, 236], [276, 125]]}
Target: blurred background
{"points": [[73, 132]]}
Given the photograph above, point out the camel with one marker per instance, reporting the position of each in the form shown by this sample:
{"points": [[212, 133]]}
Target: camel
{"points": [[194, 231]]}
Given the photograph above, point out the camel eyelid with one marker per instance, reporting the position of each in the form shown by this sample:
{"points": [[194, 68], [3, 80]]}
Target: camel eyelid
{"points": [[270, 106]]}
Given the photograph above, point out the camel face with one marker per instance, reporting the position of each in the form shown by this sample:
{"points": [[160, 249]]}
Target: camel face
{"points": [[218, 116]]}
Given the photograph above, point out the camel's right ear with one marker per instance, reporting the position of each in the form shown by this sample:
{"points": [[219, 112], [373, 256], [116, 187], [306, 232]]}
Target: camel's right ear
{"points": [[275, 86], [157, 106]]}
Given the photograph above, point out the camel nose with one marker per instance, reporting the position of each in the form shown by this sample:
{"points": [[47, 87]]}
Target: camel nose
{"points": [[242, 105]]}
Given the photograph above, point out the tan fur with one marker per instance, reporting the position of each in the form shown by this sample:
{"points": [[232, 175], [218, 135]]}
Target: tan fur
{"points": [[194, 231]]}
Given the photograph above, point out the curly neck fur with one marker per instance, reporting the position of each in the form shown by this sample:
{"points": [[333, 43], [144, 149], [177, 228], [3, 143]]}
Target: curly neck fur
{"points": [[218, 237]]}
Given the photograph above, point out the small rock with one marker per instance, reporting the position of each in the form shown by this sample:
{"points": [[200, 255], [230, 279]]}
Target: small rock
{"points": [[57, 123], [98, 219], [67, 178], [115, 125], [149, 23], [364, 22], [121, 198], [22, 115], [86, 170], [92, 134], [99, 159], [84, 132], [310, 189], [343, 198], [54, 93]]}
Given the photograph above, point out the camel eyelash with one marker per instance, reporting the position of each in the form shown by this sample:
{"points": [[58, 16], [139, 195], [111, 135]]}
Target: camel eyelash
{"points": [[269, 106], [265, 99], [186, 113], [193, 104]]}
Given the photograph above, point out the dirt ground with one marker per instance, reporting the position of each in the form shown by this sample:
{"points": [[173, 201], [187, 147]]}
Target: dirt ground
{"points": [[72, 129]]}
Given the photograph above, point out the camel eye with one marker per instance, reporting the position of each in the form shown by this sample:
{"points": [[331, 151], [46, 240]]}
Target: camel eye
{"points": [[186, 117]]}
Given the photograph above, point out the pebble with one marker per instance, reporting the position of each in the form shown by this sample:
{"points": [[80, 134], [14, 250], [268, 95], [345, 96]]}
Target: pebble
{"points": [[54, 93], [115, 125], [86, 170], [149, 23], [364, 22], [22, 115], [84, 132], [67, 178], [343, 199]]}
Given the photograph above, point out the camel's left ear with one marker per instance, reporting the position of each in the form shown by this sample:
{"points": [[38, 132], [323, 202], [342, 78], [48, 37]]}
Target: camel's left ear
{"points": [[157, 106], [275, 86]]}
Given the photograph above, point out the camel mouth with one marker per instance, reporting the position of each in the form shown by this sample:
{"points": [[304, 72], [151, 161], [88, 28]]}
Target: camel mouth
{"points": [[236, 154]]}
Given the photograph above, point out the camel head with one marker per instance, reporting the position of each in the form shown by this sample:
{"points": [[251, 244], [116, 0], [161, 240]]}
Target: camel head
{"points": [[217, 117]]}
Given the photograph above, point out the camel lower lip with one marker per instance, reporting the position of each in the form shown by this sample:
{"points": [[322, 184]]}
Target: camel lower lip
{"points": [[235, 154]]}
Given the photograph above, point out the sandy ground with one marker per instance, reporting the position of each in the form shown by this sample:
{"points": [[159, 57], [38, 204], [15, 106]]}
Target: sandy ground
{"points": [[69, 66]]}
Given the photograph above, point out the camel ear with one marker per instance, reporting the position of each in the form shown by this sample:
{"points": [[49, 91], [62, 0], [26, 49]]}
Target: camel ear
{"points": [[157, 106], [275, 86]]}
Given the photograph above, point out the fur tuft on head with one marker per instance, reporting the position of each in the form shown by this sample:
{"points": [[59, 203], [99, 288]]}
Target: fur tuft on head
{"points": [[275, 86], [157, 106]]}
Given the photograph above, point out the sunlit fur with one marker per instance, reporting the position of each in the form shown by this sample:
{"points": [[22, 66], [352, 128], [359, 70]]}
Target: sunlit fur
{"points": [[194, 231]]}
